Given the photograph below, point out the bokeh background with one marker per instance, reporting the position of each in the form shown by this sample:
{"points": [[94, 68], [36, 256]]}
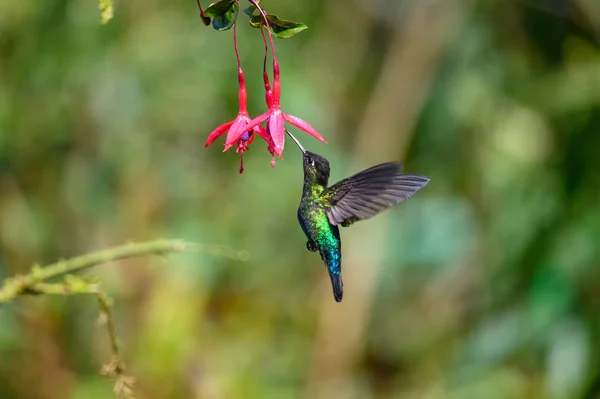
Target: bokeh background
{"points": [[486, 284]]}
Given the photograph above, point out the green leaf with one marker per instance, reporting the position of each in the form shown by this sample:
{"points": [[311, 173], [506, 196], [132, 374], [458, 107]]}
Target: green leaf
{"points": [[256, 21], [219, 8], [224, 14], [281, 28], [250, 10], [205, 19]]}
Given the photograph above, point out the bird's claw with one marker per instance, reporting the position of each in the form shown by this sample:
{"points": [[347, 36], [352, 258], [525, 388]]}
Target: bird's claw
{"points": [[311, 246]]}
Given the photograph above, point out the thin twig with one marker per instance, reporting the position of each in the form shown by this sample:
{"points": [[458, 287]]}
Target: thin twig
{"points": [[266, 21], [235, 46], [18, 285], [116, 367], [34, 283], [266, 49]]}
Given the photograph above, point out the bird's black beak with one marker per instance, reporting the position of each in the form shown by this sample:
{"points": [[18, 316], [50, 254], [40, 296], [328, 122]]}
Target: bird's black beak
{"points": [[296, 141]]}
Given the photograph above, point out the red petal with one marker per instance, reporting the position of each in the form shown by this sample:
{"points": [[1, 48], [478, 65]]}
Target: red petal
{"points": [[305, 126], [239, 126], [217, 132], [234, 136], [268, 91], [276, 130], [276, 84], [241, 147], [242, 95], [262, 132]]}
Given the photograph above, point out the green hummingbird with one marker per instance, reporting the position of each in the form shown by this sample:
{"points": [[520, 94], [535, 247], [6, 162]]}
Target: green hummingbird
{"points": [[355, 198]]}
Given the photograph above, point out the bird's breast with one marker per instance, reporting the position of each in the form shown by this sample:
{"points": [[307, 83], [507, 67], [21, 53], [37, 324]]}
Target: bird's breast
{"points": [[314, 216]]}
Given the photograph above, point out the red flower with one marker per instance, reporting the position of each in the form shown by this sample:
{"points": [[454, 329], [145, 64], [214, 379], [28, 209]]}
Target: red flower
{"points": [[275, 119], [243, 147], [238, 126], [268, 90]]}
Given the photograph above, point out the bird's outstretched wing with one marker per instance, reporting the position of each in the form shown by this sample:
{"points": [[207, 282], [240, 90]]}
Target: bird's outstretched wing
{"points": [[369, 192]]}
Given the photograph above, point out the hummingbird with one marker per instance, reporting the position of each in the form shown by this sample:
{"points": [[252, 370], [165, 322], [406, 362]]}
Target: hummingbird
{"points": [[323, 208]]}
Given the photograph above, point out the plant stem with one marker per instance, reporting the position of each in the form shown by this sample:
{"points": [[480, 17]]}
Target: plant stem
{"points": [[18, 285], [34, 283], [266, 49], [116, 367], [264, 16], [235, 46], [76, 286]]}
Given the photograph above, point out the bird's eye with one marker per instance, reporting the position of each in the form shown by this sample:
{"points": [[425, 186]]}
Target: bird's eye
{"points": [[311, 161]]}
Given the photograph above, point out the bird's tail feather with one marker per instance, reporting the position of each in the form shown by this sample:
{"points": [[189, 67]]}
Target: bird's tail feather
{"points": [[337, 285]]}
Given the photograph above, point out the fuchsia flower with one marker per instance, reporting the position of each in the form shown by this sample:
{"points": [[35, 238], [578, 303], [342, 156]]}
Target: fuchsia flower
{"points": [[241, 131], [275, 120], [239, 123]]}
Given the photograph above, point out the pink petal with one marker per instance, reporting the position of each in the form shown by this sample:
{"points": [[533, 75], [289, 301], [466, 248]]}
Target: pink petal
{"points": [[268, 91], [305, 126], [276, 84], [242, 146], [234, 135], [238, 126], [263, 133], [276, 130], [217, 132], [242, 95]]}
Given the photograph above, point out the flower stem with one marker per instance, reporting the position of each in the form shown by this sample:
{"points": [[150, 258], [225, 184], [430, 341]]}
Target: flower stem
{"points": [[264, 16], [262, 32], [235, 46], [205, 19], [268, 91]]}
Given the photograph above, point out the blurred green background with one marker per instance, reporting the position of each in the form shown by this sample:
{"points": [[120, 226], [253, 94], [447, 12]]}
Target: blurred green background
{"points": [[486, 284]]}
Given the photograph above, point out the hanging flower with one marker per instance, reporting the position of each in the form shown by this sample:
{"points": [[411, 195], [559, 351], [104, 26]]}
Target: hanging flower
{"points": [[239, 124], [241, 130], [276, 118]]}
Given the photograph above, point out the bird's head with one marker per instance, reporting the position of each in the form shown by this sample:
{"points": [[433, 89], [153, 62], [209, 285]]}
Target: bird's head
{"points": [[316, 167]]}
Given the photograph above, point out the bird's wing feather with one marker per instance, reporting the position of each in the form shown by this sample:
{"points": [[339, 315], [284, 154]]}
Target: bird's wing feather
{"points": [[369, 192]]}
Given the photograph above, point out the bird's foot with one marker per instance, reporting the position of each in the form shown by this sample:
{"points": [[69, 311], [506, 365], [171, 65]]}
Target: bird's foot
{"points": [[311, 246]]}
